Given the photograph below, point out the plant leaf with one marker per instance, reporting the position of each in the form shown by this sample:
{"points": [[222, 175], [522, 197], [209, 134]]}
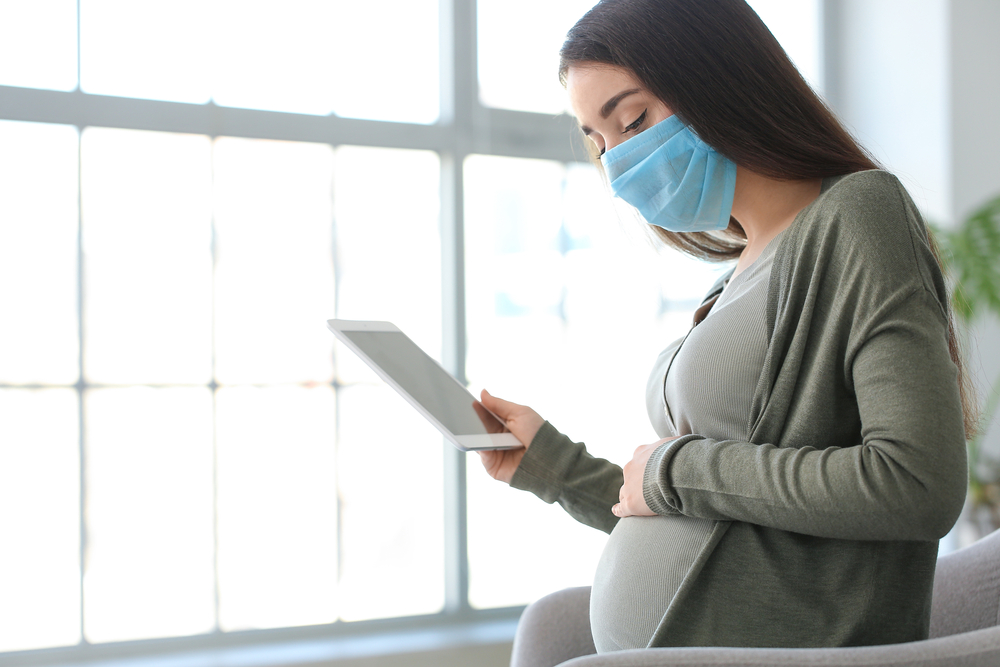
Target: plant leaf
{"points": [[971, 254]]}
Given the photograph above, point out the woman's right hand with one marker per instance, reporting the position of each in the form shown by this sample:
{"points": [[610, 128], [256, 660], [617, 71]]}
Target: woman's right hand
{"points": [[522, 422]]}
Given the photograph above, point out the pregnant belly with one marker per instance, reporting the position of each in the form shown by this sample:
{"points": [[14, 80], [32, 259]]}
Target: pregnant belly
{"points": [[643, 565]]}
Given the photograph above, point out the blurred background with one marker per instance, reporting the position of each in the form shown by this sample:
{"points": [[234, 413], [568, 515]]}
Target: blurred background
{"points": [[190, 469]]}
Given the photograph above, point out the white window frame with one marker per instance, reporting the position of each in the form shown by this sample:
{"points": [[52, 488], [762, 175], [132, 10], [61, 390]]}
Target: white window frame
{"points": [[465, 127]]}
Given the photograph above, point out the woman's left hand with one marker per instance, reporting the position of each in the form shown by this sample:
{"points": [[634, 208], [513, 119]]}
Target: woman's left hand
{"points": [[630, 499]]}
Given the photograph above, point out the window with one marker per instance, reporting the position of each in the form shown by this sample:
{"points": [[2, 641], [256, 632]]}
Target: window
{"points": [[39, 355], [187, 191]]}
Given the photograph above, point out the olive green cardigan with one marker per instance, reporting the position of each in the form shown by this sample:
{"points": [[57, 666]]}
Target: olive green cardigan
{"points": [[854, 462]]}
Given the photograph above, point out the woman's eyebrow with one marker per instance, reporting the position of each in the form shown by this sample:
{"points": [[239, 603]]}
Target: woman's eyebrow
{"points": [[609, 106]]}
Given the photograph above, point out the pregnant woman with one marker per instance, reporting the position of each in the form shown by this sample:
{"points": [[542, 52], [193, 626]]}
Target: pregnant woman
{"points": [[813, 427]]}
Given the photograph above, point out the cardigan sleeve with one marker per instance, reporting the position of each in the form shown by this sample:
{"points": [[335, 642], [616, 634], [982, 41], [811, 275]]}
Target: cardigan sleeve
{"points": [[905, 480], [556, 469]]}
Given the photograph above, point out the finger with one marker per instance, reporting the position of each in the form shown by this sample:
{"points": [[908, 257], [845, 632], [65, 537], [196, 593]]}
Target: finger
{"points": [[490, 462], [620, 511], [498, 406], [488, 458]]}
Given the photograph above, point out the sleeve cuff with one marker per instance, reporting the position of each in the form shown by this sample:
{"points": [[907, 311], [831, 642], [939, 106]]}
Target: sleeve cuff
{"points": [[546, 461], [657, 490]]}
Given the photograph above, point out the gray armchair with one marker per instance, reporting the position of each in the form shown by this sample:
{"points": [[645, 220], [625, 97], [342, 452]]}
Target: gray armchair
{"points": [[965, 629]]}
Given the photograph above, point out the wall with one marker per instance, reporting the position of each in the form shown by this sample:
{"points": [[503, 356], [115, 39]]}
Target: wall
{"points": [[918, 81], [887, 78], [975, 142]]}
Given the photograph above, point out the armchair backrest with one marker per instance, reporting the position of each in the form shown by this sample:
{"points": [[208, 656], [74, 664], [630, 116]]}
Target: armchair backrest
{"points": [[967, 589]]}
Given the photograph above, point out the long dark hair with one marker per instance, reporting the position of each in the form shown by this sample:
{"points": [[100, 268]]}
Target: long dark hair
{"points": [[719, 68]]}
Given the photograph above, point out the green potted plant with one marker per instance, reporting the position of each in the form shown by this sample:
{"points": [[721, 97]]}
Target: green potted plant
{"points": [[970, 253]]}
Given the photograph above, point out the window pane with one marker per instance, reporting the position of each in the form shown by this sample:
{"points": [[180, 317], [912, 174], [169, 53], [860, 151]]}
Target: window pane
{"points": [[276, 56], [389, 268], [38, 206], [300, 56], [520, 548], [149, 564], [388, 246], [39, 519], [38, 44], [274, 273], [148, 263], [277, 507], [796, 25], [568, 307], [153, 50], [314, 56], [390, 463], [388, 65], [521, 72]]}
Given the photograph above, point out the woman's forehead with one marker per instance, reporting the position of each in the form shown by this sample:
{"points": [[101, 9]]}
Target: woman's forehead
{"points": [[599, 76], [594, 89]]}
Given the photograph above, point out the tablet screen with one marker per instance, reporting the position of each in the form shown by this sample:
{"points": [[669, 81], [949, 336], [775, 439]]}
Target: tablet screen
{"points": [[421, 377]]}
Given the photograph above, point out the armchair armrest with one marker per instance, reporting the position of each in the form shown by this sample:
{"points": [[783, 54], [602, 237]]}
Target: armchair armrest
{"points": [[980, 648]]}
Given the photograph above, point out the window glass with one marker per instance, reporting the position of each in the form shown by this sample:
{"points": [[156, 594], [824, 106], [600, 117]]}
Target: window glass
{"points": [[274, 275], [518, 56], [39, 340], [386, 60], [568, 307], [387, 209], [275, 56], [148, 570], [39, 519], [153, 50], [388, 250], [392, 506], [796, 25], [301, 56], [38, 44], [313, 56], [148, 264], [277, 506]]}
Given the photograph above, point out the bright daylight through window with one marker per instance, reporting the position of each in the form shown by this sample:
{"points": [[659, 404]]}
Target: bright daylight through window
{"points": [[184, 450]]}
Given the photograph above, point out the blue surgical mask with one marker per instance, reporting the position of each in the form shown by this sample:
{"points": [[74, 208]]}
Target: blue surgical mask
{"points": [[674, 179]]}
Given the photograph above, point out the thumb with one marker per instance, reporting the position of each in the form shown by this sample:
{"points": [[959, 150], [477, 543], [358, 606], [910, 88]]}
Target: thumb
{"points": [[501, 408]]}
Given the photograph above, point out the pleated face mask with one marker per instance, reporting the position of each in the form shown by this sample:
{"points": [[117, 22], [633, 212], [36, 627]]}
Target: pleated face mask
{"points": [[673, 178]]}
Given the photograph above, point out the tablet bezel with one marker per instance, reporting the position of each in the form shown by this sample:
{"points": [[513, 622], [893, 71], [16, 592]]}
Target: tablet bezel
{"points": [[464, 442]]}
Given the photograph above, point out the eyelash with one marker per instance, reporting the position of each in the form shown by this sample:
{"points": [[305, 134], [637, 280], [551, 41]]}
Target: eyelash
{"points": [[631, 127], [634, 125]]}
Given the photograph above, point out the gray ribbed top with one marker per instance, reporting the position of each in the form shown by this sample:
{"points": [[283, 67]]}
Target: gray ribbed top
{"points": [[707, 380], [714, 373]]}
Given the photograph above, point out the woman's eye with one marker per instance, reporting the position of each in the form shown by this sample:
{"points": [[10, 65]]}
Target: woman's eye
{"points": [[634, 125]]}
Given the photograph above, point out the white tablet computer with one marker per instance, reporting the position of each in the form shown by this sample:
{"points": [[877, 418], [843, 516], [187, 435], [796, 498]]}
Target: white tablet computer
{"points": [[432, 390]]}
